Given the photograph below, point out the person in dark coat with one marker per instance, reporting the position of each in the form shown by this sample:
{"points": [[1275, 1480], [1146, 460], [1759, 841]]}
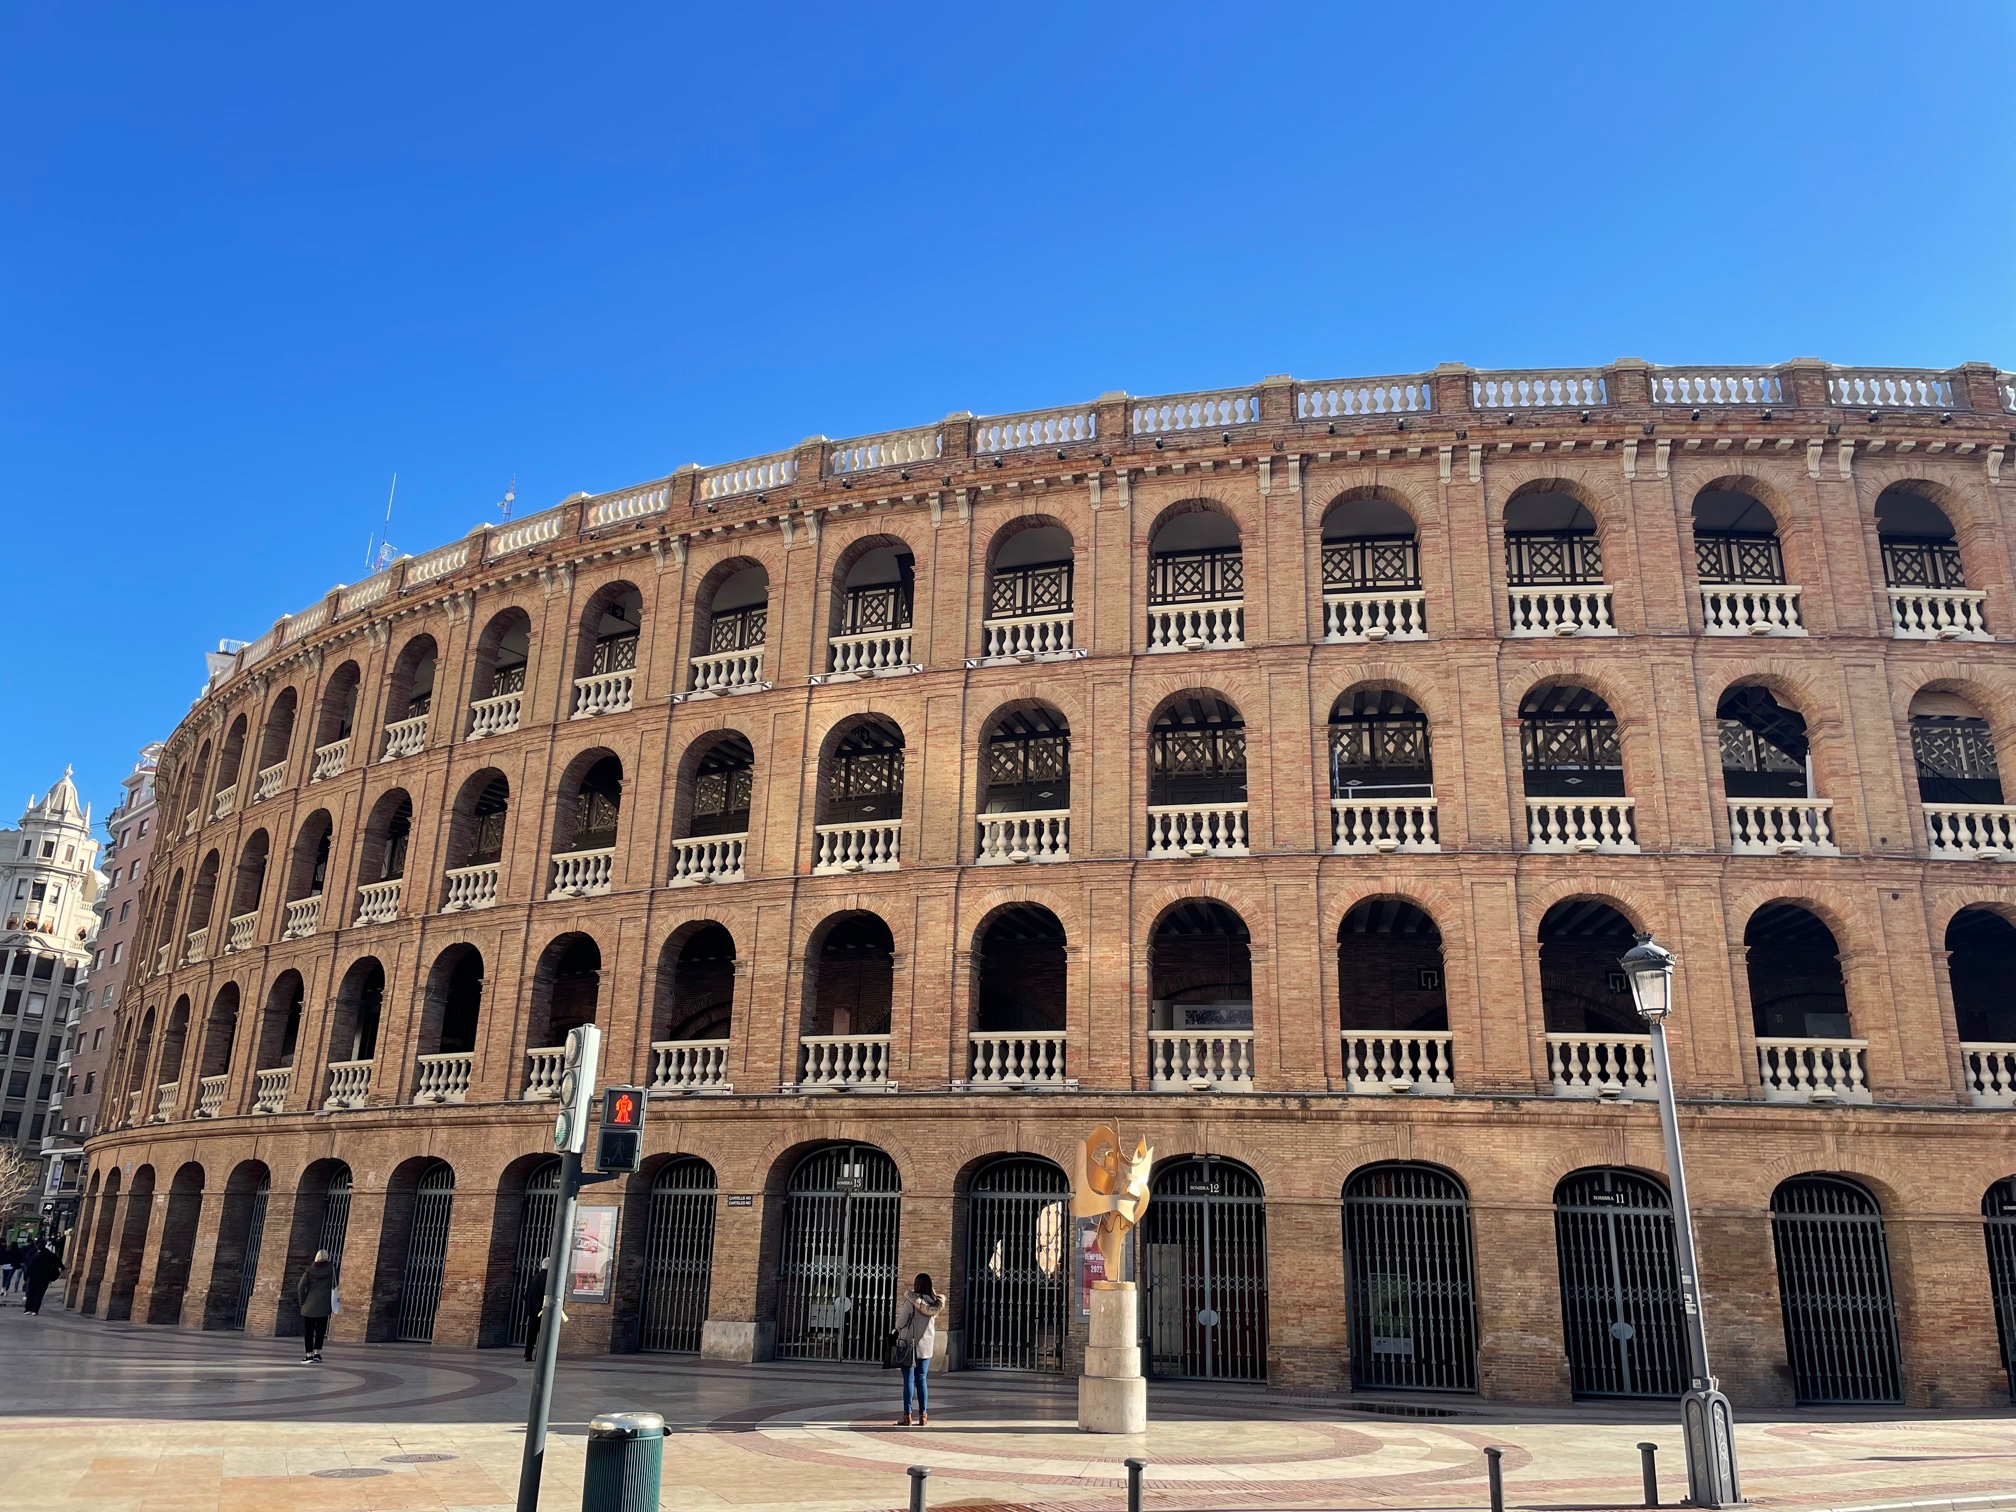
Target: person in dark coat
{"points": [[44, 1265], [315, 1294], [534, 1301]]}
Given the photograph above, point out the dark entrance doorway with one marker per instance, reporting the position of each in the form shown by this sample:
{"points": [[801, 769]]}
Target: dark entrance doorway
{"points": [[1413, 1286], [1018, 1266], [1203, 1270], [1620, 1296], [837, 1276], [678, 1257], [1834, 1289]]}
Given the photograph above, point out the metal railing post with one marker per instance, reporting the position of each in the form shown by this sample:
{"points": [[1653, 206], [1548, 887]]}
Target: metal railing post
{"points": [[918, 1475], [1496, 1472], [1134, 1469], [1650, 1472]]}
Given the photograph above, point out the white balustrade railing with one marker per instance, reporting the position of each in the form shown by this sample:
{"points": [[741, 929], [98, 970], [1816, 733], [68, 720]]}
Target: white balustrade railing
{"points": [[1867, 390], [238, 932], [1581, 824], [161, 957], [1509, 391], [471, 887], [843, 1060], [189, 822], [1365, 826], [495, 716], [1390, 614], [857, 847], [877, 651], [210, 1095], [1782, 827], [404, 737], [371, 591], [728, 671], [1030, 835], [1197, 627], [1188, 412], [1200, 1060], [1002, 433], [896, 449], [1027, 639], [533, 530], [707, 858], [378, 902], [543, 1066], [349, 1084], [1701, 387], [133, 1099], [1018, 1060], [269, 1089], [1750, 609], [1602, 1065], [225, 801], [1197, 829], [1561, 611], [438, 563], [164, 1101], [329, 760], [689, 1066], [304, 915], [1970, 831], [266, 782], [194, 946], [443, 1078], [637, 504], [753, 476], [583, 874], [1398, 1061], [1364, 396], [1813, 1070], [603, 693], [1991, 1074], [308, 621], [1938, 614]]}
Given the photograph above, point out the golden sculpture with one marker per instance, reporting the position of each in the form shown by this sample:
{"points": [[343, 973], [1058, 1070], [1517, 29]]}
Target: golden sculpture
{"points": [[1111, 1186]]}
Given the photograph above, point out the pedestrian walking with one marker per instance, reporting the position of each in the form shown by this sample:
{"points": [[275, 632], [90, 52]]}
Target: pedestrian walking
{"points": [[914, 1338], [10, 1256], [43, 1267], [315, 1294]]}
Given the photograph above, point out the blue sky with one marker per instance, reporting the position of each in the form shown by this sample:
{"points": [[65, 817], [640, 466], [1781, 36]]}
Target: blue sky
{"points": [[255, 259]]}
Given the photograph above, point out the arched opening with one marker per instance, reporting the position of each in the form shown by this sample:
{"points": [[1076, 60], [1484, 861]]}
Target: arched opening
{"points": [[1981, 964], [1393, 1007], [1025, 787], [202, 899], [837, 1281], [1998, 1223], [1371, 571], [872, 608], [1735, 539], [353, 1033], [409, 689], [230, 758], [1018, 1265], [538, 1210], [412, 1251], [1203, 1271], [133, 1076], [1620, 1295], [1919, 547], [174, 1040], [591, 807], [247, 887], [279, 1031], [1021, 975], [335, 720], [476, 842], [860, 813], [721, 787], [132, 1246], [1954, 752], [1382, 778], [1412, 1278], [850, 978], [566, 989], [451, 1014], [696, 987], [497, 688], [1582, 988], [678, 1257], [195, 788], [1200, 1012], [1197, 778], [241, 1230], [274, 744], [1029, 591], [605, 654], [1550, 540], [103, 1219], [1834, 1292], [1572, 758], [321, 1222], [1799, 1009], [732, 620], [178, 1245], [1196, 581], [1765, 753], [220, 1034], [169, 917], [308, 875], [387, 834]]}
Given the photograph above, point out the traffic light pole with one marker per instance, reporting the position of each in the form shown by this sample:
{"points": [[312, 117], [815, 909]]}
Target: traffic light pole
{"points": [[547, 1356]]}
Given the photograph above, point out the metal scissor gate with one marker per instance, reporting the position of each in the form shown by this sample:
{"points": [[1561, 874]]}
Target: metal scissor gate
{"points": [[248, 1261], [1203, 1249], [1413, 1285], [1834, 1289], [336, 1218], [678, 1257], [426, 1254], [1018, 1266], [837, 1275], [1998, 1219], [535, 1240], [1620, 1292]]}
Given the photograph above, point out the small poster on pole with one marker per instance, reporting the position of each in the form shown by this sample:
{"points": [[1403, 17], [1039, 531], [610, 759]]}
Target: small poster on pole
{"points": [[591, 1265], [1091, 1264]]}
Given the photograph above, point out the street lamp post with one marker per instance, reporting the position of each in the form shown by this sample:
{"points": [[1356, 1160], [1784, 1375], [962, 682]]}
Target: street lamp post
{"points": [[1705, 1418]]}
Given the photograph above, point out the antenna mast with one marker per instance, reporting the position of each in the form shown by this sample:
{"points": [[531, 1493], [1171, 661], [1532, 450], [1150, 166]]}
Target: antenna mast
{"points": [[377, 557]]}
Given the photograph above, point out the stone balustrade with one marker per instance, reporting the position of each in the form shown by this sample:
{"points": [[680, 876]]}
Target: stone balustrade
{"points": [[1387, 614], [857, 847], [1938, 614], [1748, 609], [268, 781], [1782, 827], [443, 1078], [404, 737], [729, 671], [1364, 396], [303, 916], [1382, 826], [1399, 1061], [1991, 1074], [1030, 638], [1021, 1059], [603, 693], [1197, 829], [225, 802], [1200, 1060], [329, 760], [1560, 611], [877, 653], [1602, 1065], [378, 902], [707, 858], [1546, 390], [349, 1084], [195, 945], [1581, 826], [1029, 835], [239, 931], [543, 1065], [1866, 389], [164, 1101], [161, 957], [583, 874], [269, 1089], [495, 716], [133, 1100], [1189, 412], [470, 887], [1705, 387], [1056, 427], [1970, 831], [843, 1061], [1217, 626], [210, 1095], [189, 823], [689, 1066], [1813, 1070]]}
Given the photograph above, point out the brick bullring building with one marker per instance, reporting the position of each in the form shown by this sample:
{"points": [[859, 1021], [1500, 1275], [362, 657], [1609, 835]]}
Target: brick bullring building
{"points": [[1277, 771]]}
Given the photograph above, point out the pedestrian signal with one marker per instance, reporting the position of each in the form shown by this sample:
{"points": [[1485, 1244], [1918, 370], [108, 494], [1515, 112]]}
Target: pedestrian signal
{"points": [[620, 1144]]}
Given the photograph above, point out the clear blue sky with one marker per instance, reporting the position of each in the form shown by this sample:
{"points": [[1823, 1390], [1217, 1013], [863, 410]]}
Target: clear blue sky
{"points": [[254, 259]]}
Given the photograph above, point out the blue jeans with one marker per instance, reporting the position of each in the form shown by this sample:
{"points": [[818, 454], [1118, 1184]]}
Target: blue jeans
{"points": [[917, 1370]]}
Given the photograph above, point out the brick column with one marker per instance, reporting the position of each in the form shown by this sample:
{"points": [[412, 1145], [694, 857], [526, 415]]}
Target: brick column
{"points": [[1520, 1353]]}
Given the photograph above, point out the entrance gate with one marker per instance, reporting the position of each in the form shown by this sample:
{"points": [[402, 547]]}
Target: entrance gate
{"points": [[1998, 1219], [1017, 1266], [1620, 1294], [837, 1276], [1834, 1287], [336, 1218], [1413, 1288], [426, 1254], [1203, 1269], [535, 1240], [248, 1263], [678, 1257]]}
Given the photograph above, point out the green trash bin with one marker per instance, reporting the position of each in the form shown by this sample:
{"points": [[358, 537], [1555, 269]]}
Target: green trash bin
{"points": [[626, 1455]]}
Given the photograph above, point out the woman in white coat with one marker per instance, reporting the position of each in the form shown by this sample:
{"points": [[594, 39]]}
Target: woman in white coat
{"points": [[917, 1326]]}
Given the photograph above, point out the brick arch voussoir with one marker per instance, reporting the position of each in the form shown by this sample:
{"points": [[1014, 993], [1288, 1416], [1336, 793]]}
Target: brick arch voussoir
{"points": [[1388, 676], [1641, 904], [1245, 515], [1441, 901], [1246, 899], [1421, 504], [1027, 692], [1598, 485], [979, 905]]}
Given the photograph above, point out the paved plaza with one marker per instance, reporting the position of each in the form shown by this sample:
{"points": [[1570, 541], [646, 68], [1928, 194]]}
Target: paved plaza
{"points": [[96, 1417]]}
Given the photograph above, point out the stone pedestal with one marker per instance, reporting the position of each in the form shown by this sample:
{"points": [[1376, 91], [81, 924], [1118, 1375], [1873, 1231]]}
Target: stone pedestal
{"points": [[1112, 1396]]}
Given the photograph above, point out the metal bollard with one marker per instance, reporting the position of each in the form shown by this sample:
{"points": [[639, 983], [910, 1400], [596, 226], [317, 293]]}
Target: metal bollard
{"points": [[626, 1457], [918, 1475], [1650, 1471], [1134, 1469], [1497, 1474]]}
